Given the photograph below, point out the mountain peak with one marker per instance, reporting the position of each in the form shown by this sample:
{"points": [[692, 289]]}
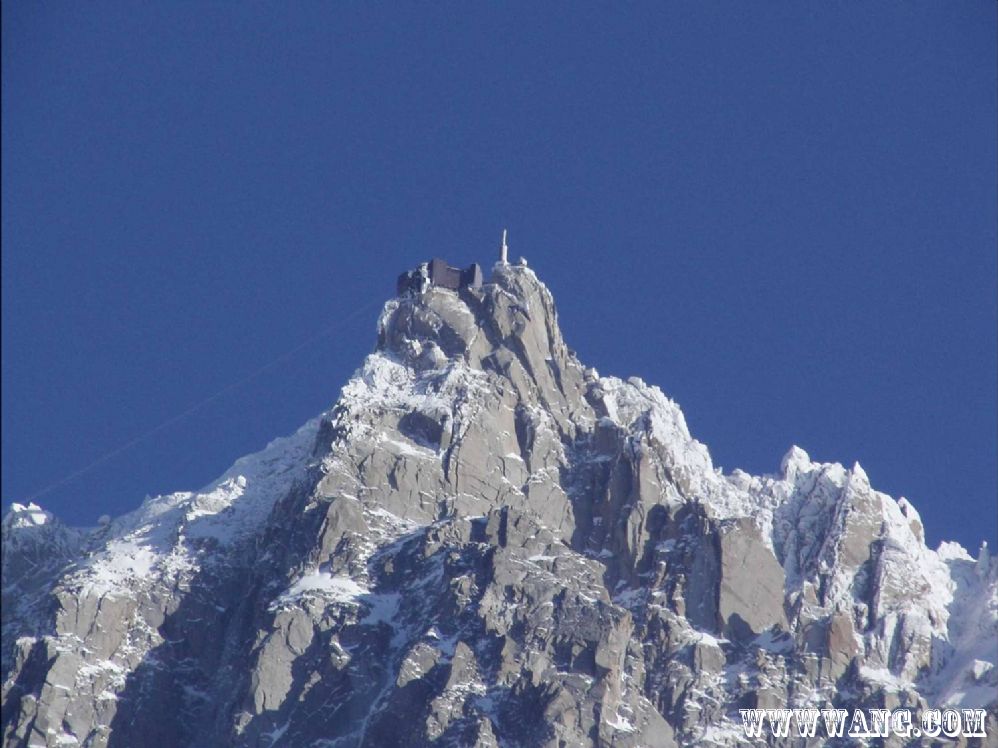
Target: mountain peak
{"points": [[479, 529], [507, 325]]}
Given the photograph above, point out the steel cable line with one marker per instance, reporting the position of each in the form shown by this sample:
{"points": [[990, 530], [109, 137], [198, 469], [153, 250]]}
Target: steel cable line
{"points": [[201, 403]]}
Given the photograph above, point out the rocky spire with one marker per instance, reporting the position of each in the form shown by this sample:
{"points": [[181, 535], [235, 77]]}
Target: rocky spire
{"points": [[484, 542]]}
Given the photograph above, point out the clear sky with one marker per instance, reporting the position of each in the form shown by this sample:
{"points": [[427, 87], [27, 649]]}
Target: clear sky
{"points": [[783, 213]]}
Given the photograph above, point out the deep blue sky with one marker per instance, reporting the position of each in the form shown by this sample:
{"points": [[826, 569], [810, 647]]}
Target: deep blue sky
{"points": [[782, 213]]}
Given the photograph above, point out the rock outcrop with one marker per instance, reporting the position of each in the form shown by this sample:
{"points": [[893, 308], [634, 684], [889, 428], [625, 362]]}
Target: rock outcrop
{"points": [[485, 543]]}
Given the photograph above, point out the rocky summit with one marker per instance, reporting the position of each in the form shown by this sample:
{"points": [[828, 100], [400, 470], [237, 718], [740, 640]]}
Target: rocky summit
{"points": [[486, 543]]}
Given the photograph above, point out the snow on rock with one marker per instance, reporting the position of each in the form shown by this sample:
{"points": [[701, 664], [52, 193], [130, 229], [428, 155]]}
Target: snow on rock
{"points": [[482, 528], [161, 539], [341, 589], [30, 515]]}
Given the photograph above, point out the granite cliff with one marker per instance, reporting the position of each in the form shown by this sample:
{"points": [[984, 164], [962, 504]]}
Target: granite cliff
{"points": [[485, 543]]}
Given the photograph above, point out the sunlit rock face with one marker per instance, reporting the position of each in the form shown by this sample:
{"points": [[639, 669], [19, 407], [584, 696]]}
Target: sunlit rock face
{"points": [[485, 543]]}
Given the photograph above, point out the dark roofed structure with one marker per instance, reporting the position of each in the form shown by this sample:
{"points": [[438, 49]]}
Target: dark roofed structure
{"points": [[438, 273]]}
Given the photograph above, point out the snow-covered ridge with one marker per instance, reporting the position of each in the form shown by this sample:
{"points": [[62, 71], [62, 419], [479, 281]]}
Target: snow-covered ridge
{"points": [[385, 383], [167, 535], [819, 519]]}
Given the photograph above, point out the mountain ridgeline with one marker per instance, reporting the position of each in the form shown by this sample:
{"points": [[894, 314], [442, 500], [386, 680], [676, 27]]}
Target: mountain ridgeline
{"points": [[485, 543]]}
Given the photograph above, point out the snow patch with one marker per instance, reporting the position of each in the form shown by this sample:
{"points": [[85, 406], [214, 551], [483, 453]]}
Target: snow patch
{"points": [[30, 515]]}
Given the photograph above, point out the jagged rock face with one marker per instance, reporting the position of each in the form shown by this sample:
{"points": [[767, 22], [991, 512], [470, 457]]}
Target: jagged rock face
{"points": [[484, 543]]}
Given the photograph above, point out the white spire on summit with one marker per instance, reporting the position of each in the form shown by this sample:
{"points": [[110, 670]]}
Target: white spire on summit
{"points": [[503, 250]]}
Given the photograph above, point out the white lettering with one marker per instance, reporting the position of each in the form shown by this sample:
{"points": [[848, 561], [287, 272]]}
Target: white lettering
{"points": [[864, 723], [807, 722], [752, 719], [779, 721], [859, 727], [835, 722]]}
